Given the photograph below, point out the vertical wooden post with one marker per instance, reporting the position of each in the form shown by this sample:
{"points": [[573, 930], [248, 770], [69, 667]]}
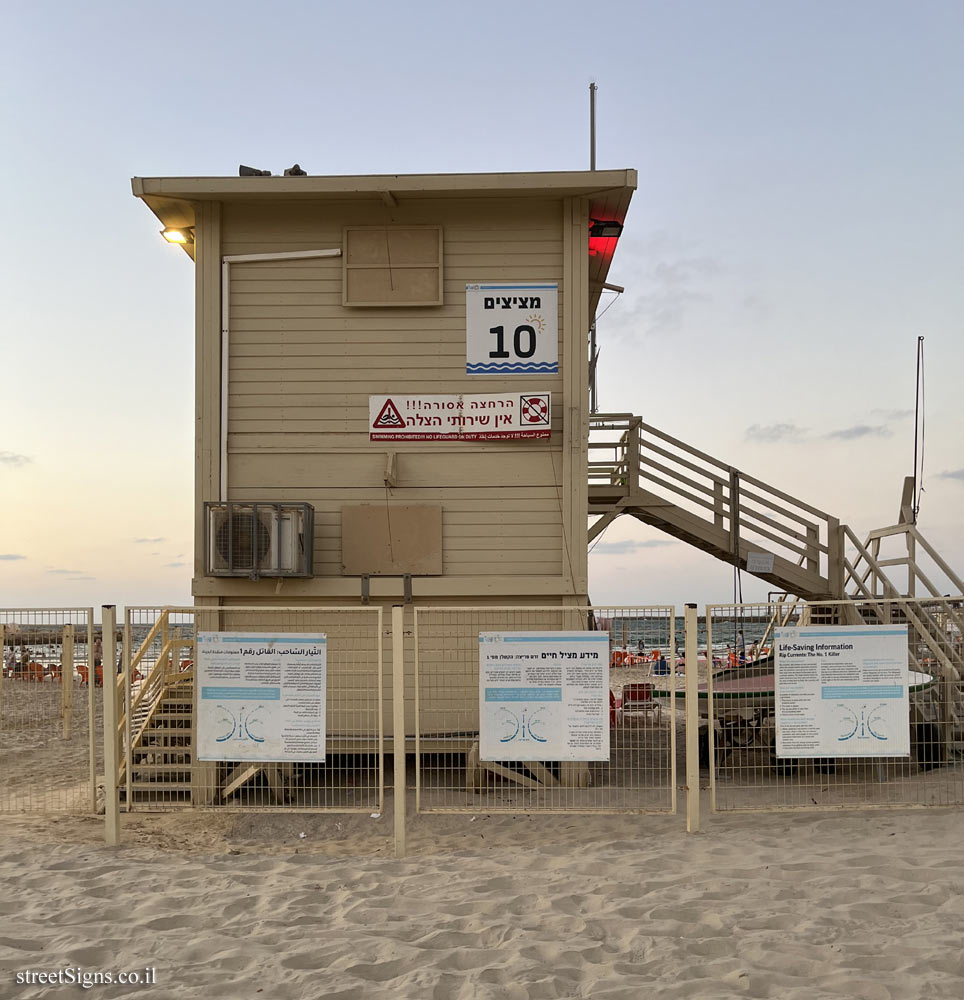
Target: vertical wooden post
{"points": [[691, 653], [813, 553], [735, 516], [204, 773], [91, 712], [632, 458], [108, 620], [67, 679], [398, 724], [710, 724], [835, 558], [128, 749]]}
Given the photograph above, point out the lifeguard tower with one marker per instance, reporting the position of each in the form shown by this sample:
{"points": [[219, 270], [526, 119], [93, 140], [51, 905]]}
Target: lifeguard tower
{"points": [[392, 381], [392, 400]]}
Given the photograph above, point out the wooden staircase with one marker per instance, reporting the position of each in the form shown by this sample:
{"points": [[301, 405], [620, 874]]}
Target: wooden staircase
{"points": [[638, 470], [161, 755]]}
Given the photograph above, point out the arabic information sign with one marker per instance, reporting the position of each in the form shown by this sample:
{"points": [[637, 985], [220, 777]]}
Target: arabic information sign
{"points": [[488, 417], [512, 329], [261, 697], [842, 692], [544, 696]]}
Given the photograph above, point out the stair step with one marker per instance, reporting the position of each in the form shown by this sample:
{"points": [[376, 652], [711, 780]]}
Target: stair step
{"points": [[151, 772], [160, 786], [158, 765]]}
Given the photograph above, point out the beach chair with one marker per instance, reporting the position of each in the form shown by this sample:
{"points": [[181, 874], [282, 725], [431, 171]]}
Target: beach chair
{"points": [[638, 699]]}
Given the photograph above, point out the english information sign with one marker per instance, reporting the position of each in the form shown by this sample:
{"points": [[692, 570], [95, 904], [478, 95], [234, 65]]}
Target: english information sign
{"points": [[842, 691]]}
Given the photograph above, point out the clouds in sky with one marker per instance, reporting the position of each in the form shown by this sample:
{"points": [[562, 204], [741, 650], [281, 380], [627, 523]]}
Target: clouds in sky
{"points": [[148, 541], [629, 545], [11, 458], [957, 474], [790, 433], [859, 431], [10, 556], [670, 278], [774, 433]]}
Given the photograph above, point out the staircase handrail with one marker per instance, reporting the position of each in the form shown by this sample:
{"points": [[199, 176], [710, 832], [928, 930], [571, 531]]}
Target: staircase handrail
{"points": [[791, 524], [909, 606]]}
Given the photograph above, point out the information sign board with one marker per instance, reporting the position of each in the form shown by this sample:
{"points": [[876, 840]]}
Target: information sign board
{"points": [[544, 696], [261, 697], [842, 691], [512, 329], [478, 417]]}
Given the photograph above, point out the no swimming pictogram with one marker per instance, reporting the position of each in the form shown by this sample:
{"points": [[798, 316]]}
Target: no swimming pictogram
{"points": [[388, 418], [534, 409]]}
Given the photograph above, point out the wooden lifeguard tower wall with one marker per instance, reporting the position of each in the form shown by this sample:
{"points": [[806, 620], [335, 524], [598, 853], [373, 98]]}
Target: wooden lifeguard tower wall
{"points": [[315, 295], [310, 338]]}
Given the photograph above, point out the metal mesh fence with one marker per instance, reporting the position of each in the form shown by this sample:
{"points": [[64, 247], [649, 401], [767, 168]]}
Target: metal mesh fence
{"points": [[639, 774], [753, 770], [191, 731], [49, 711]]}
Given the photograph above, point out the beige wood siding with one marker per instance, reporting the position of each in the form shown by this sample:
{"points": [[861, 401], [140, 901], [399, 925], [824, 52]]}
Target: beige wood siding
{"points": [[302, 367]]}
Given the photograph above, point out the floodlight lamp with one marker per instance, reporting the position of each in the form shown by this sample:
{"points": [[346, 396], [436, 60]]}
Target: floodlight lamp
{"points": [[605, 227], [181, 236]]}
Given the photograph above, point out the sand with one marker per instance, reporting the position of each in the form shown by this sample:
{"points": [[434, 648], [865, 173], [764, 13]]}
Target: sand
{"points": [[859, 904]]}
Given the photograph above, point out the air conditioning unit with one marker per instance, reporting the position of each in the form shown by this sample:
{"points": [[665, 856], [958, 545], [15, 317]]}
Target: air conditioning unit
{"points": [[259, 539]]}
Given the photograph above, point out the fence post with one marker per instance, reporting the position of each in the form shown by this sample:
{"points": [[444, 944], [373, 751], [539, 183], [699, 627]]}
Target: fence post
{"points": [[92, 710], [128, 748], [692, 719], [67, 679], [398, 724], [108, 628]]}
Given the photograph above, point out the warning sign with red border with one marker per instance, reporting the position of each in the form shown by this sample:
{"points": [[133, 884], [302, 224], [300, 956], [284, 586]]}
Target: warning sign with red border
{"points": [[477, 417]]}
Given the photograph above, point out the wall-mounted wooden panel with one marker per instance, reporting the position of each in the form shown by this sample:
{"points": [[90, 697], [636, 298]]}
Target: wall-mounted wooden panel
{"points": [[391, 540]]}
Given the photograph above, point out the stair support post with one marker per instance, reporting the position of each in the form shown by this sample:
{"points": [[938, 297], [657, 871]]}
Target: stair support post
{"points": [[632, 458], [835, 558], [735, 516]]}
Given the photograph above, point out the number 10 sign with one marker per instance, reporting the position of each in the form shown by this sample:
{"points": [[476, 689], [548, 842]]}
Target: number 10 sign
{"points": [[512, 329]]}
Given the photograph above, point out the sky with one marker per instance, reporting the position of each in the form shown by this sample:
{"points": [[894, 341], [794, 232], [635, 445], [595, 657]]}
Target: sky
{"points": [[796, 228]]}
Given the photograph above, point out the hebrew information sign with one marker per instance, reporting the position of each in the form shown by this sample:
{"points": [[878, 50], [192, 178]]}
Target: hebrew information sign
{"points": [[489, 417], [544, 696], [512, 329]]}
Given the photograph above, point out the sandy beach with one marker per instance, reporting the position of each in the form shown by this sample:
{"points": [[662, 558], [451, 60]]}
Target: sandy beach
{"points": [[867, 905]]}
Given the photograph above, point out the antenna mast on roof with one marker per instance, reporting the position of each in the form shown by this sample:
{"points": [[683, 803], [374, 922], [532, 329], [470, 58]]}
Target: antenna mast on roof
{"points": [[593, 353], [918, 431], [592, 125]]}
